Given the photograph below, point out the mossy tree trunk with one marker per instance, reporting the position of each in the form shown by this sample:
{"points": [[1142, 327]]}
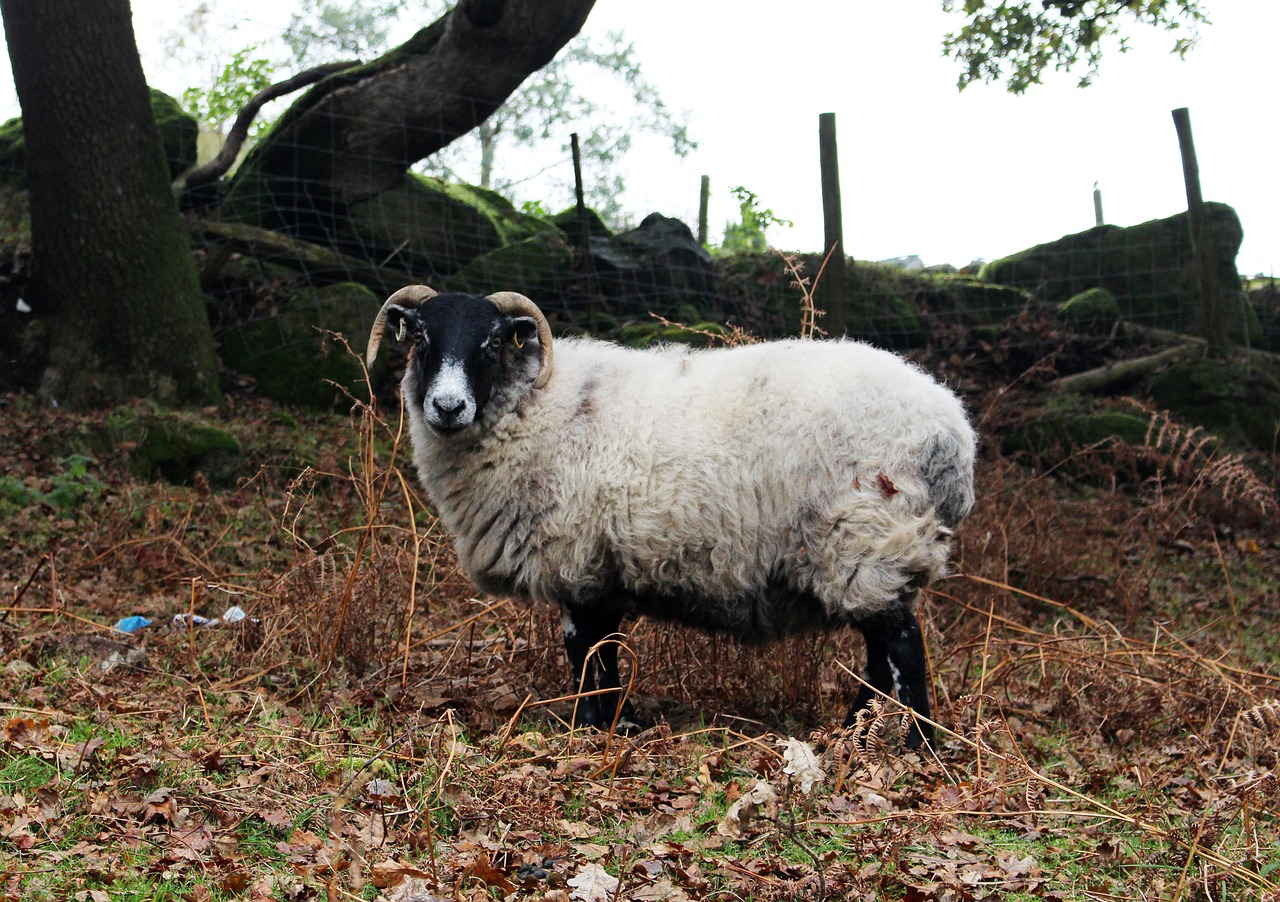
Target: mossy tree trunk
{"points": [[357, 133], [113, 273]]}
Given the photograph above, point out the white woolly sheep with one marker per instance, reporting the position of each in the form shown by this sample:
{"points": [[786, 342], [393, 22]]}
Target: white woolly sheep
{"points": [[762, 491]]}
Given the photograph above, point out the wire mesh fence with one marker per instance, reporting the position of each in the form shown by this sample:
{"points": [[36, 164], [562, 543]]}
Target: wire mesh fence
{"points": [[311, 231]]}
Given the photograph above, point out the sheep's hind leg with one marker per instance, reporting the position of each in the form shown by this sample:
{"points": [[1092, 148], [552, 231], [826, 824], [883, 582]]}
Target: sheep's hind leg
{"points": [[896, 665], [583, 628]]}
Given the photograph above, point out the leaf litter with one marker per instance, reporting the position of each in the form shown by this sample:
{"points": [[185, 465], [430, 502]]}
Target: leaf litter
{"points": [[371, 729]]}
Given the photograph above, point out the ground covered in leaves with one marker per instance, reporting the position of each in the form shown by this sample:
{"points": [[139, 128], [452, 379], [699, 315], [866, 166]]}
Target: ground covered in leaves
{"points": [[1104, 662]]}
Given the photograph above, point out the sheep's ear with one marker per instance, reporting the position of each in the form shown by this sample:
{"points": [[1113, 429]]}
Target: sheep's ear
{"points": [[399, 321], [524, 331]]}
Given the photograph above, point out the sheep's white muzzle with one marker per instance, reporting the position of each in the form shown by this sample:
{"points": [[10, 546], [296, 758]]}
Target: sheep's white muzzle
{"points": [[450, 405]]}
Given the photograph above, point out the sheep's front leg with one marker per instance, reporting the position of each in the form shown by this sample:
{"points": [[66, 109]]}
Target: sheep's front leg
{"points": [[896, 665], [583, 628]]}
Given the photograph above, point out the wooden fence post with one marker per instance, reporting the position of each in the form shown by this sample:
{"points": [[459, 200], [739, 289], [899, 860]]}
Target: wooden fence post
{"points": [[832, 288], [1210, 318], [704, 200], [584, 223]]}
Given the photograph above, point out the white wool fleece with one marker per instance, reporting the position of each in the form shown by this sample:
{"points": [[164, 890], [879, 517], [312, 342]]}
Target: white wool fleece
{"points": [[712, 475]]}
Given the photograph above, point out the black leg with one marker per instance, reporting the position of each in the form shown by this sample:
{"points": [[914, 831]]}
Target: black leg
{"points": [[583, 628], [896, 666]]}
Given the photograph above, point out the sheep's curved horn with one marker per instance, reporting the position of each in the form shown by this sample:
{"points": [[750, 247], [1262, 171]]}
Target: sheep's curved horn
{"points": [[511, 303], [409, 296]]}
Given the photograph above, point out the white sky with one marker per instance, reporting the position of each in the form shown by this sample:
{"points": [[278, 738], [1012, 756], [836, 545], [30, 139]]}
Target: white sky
{"points": [[925, 169]]}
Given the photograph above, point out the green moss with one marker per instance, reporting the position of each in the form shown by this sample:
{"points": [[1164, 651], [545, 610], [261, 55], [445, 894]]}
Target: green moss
{"points": [[13, 155], [1056, 436], [525, 266], [1148, 267], [438, 227], [1090, 306], [291, 356], [570, 222], [179, 132], [642, 333], [174, 446]]}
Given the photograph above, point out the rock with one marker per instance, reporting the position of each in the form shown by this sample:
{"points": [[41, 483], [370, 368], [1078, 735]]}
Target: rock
{"points": [[1093, 305], [530, 267], [657, 266], [13, 154], [178, 133], [433, 228], [174, 446], [1238, 402], [292, 358], [1147, 267], [1056, 436]]}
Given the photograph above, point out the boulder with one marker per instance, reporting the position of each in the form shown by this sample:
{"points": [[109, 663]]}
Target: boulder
{"points": [[290, 354], [1093, 305], [1239, 402], [531, 267], [657, 266], [1147, 267], [179, 132], [433, 228], [1058, 435], [170, 445]]}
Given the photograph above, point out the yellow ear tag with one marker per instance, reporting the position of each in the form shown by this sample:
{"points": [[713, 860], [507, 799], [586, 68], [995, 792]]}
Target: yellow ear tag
{"points": [[519, 343], [400, 331]]}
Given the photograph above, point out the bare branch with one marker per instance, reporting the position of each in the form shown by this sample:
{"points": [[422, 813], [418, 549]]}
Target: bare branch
{"points": [[217, 167]]}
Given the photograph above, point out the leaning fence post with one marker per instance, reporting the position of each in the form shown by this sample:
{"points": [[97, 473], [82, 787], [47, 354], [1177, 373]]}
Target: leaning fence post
{"points": [[833, 285], [584, 223], [1210, 315]]}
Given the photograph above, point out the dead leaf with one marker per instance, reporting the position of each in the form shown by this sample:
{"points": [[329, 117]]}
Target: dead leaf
{"points": [[92, 895], [390, 873], [25, 733], [488, 874], [593, 884], [802, 764], [277, 817], [413, 889], [159, 806], [758, 803]]}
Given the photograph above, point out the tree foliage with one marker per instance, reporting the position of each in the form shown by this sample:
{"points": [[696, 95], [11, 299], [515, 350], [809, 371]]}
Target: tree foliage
{"points": [[244, 75], [747, 236], [323, 30], [1017, 42]]}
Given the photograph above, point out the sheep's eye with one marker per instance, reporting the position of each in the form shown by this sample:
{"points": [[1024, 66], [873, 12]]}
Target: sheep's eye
{"points": [[495, 342]]}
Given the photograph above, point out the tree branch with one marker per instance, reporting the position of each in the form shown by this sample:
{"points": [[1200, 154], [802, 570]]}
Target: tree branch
{"points": [[312, 259], [217, 167]]}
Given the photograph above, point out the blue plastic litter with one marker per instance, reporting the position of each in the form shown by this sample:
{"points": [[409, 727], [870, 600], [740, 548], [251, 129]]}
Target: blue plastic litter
{"points": [[132, 624]]}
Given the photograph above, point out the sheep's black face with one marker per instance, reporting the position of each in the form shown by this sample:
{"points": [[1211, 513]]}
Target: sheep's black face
{"points": [[464, 353]]}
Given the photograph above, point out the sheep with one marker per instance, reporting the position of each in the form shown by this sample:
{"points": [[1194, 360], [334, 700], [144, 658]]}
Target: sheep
{"points": [[762, 491]]}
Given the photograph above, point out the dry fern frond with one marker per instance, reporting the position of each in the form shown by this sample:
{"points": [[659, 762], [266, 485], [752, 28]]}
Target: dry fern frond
{"points": [[1264, 717], [1190, 456], [809, 312]]}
